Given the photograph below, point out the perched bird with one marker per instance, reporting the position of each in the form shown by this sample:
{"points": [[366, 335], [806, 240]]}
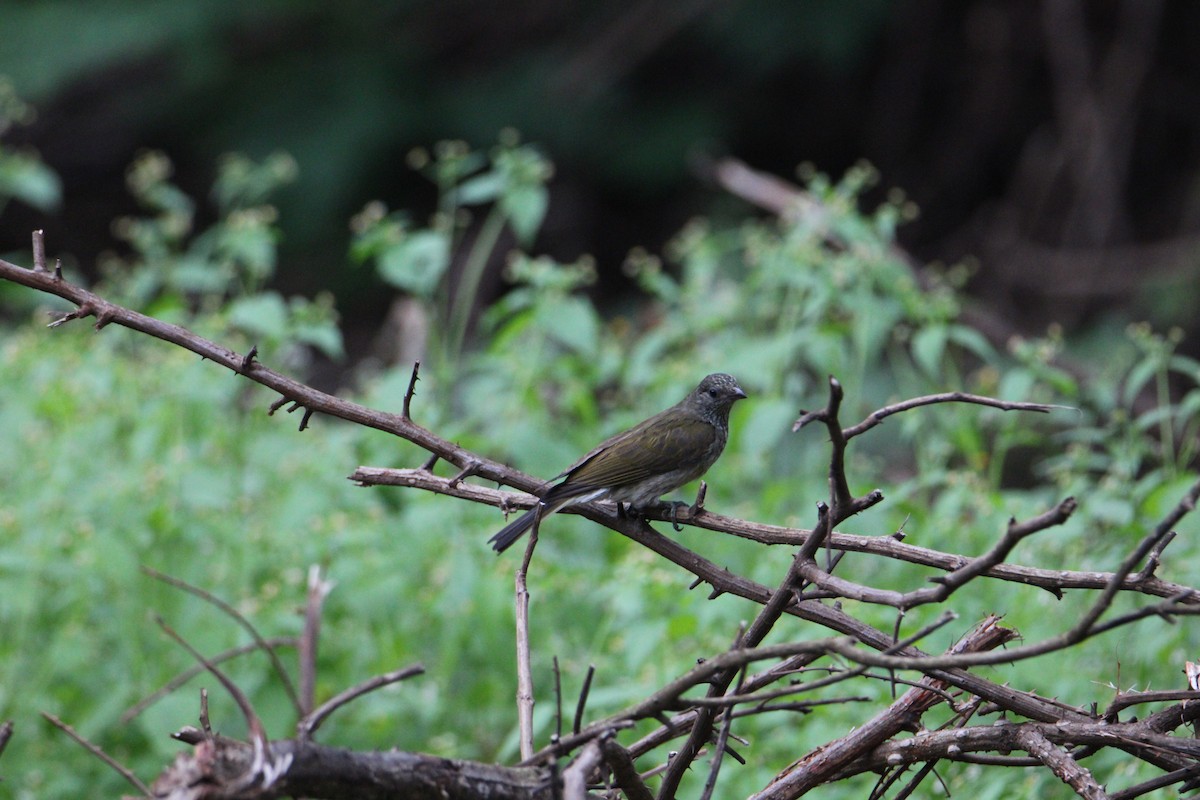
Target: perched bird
{"points": [[642, 464]]}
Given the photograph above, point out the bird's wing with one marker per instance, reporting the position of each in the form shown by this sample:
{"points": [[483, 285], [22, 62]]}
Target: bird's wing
{"points": [[660, 444]]}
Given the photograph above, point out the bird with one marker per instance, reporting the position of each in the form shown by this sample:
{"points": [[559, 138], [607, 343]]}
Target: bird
{"points": [[640, 465]]}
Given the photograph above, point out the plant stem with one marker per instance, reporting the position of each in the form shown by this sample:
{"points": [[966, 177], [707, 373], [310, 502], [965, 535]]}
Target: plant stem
{"points": [[472, 274]]}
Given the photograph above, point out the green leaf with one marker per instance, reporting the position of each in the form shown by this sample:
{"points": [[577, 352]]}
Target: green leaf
{"points": [[417, 263], [572, 321], [326, 337], [875, 318], [29, 180], [264, 315], [929, 347], [1137, 379], [483, 188], [252, 246], [972, 341], [525, 207]]}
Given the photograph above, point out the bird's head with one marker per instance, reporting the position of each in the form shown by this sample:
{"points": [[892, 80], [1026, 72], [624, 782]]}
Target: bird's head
{"points": [[716, 394]]}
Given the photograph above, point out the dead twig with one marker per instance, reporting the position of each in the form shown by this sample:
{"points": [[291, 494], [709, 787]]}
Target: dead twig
{"points": [[318, 590], [237, 617], [313, 720], [97, 751]]}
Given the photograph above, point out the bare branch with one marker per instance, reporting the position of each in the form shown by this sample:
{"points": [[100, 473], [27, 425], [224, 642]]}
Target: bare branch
{"points": [[1052, 580], [406, 408], [575, 776], [318, 590], [317, 770], [39, 250], [263, 771], [583, 697], [624, 772], [904, 714], [947, 584], [525, 698], [95, 750], [1184, 775], [237, 617], [1034, 742], [1125, 700], [878, 416], [191, 672], [310, 722], [312, 400]]}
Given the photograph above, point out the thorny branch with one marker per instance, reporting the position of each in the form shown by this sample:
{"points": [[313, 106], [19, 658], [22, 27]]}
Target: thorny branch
{"points": [[1055, 735]]}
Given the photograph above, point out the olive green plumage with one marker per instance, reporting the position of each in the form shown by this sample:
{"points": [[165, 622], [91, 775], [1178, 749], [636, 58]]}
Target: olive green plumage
{"points": [[642, 464]]}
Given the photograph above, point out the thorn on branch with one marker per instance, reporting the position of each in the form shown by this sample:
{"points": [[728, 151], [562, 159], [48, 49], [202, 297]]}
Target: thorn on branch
{"points": [[283, 401], [469, 469], [429, 463], [58, 269], [248, 359], [84, 310]]}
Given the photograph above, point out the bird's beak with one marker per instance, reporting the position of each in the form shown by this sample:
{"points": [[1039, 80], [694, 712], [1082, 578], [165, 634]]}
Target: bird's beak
{"points": [[738, 393]]}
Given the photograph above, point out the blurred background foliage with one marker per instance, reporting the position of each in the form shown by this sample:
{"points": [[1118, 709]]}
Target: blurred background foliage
{"points": [[555, 294]]}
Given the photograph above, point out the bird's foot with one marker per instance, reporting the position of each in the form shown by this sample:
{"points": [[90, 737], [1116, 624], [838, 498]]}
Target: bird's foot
{"points": [[669, 508], [675, 506]]}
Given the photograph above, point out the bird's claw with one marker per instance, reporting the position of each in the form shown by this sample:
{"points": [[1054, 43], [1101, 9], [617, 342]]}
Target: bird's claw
{"points": [[675, 506]]}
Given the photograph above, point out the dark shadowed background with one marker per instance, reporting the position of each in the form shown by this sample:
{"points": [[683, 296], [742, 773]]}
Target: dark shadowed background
{"points": [[1054, 144]]}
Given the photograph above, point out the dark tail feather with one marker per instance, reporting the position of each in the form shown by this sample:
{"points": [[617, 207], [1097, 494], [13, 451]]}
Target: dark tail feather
{"points": [[513, 530]]}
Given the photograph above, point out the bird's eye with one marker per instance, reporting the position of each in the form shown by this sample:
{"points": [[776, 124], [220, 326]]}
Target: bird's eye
{"points": [[712, 392]]}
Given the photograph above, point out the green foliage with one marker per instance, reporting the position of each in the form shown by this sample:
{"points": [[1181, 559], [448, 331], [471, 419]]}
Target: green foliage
{"points": [[125, 452], [510, 179], [217, 276], [23, 176]]}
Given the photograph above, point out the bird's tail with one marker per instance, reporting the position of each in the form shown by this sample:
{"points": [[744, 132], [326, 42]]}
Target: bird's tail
{"points": [[564, 494], [513, 530]]}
